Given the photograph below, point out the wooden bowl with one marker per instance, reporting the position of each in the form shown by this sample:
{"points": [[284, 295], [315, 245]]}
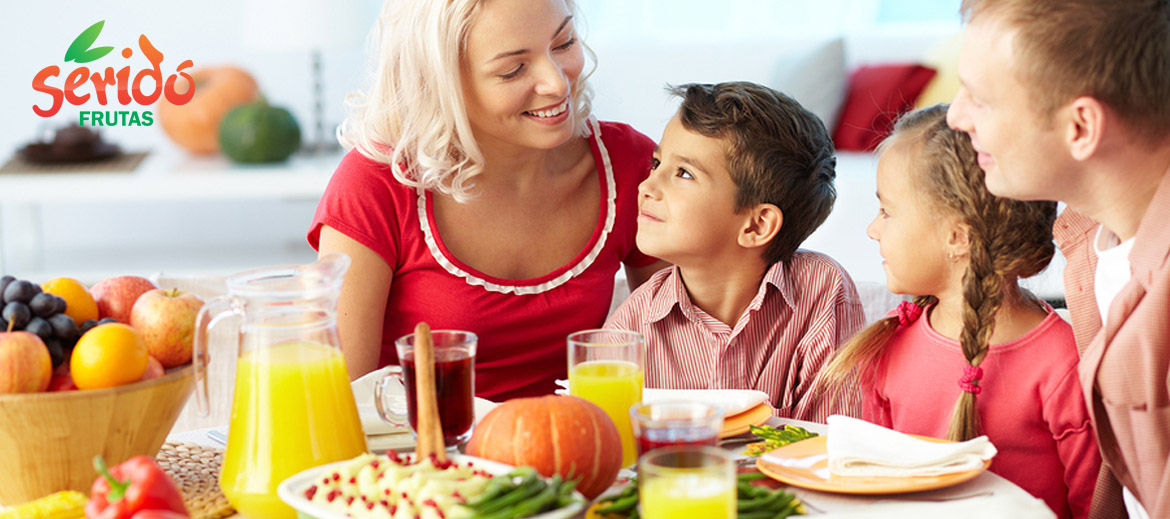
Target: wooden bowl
{"points": [[48, 440]]}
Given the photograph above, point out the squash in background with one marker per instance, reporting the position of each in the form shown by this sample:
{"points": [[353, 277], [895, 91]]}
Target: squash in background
{"points": [[563, 435], [259, 132], [195, 125]]}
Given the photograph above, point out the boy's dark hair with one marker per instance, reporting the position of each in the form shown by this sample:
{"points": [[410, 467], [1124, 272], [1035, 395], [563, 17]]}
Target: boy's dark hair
{"points": [[777, 153]]}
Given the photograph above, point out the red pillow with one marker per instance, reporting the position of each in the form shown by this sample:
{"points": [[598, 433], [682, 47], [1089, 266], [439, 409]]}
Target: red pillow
{"points": [[877, 96]]}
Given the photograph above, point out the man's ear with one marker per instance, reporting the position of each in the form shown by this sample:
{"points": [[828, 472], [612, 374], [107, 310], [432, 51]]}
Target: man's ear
{"points": [[1085, 122], [958, 240], [764, 221]]}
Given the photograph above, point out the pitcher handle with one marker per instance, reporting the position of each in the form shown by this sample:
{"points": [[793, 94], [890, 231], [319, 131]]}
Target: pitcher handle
{"points": [[391, 408], [212, 312]]}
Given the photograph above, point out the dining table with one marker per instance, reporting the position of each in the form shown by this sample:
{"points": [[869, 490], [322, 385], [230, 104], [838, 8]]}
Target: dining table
{"points": [[986, 495]]}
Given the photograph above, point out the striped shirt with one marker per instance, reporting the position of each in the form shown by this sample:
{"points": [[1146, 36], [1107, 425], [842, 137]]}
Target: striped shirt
{"points": [[797, 319]]}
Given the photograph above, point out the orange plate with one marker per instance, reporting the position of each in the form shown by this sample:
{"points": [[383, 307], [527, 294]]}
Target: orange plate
{"points": [[808, 477], [738, 424]]}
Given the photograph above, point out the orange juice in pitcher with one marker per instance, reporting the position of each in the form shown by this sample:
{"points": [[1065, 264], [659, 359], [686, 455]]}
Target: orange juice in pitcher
{"points": [[293, 408]]}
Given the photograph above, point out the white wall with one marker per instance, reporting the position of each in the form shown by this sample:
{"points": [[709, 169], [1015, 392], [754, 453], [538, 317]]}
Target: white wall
{"points": [[99, 238]]}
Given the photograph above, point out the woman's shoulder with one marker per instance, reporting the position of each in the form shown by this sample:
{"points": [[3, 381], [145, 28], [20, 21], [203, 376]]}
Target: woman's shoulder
{"points": [[621, 137], [359, 172]]}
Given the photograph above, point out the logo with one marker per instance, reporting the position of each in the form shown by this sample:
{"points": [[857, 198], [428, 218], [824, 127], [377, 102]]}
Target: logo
{"points": [[81, 84]]}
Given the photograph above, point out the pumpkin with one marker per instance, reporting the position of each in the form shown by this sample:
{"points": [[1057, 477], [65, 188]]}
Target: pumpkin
{"points": [[259, 132], [563, 435], [195, 125]]}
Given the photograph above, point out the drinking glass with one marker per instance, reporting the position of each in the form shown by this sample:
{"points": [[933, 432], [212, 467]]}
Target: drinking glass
{"points": [[454, 385], [605, 367], [687, 481], [667, 423]]}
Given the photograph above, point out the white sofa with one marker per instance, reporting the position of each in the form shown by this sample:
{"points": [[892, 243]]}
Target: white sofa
{"points": [[629, 86]]}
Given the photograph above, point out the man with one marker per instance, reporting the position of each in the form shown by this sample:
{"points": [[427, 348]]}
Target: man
{"points": [[1069, 100]]}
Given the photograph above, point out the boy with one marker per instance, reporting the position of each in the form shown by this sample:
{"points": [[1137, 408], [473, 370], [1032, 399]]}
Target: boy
{"points": [[742, 176], [1069, 100]]}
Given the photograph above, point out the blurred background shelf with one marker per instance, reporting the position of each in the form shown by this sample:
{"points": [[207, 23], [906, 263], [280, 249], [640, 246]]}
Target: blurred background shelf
{"points": [[175, 214]]}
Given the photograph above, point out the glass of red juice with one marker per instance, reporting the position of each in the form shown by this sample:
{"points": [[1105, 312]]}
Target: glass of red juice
{"points": [[454, 385], [667, 423]]}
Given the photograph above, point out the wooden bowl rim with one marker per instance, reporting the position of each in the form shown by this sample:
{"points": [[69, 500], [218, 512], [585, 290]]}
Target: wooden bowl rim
{"points": [[181, 372]]}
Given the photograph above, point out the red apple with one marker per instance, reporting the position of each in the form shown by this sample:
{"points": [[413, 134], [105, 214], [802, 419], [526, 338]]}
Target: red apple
{"points": [[154, 369], [166, 321], [62, 382], [115, 296], [25, 366]]}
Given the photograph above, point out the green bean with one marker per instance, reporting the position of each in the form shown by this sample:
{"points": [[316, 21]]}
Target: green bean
{"points": [[750, 476], [620, 506], [768, 502], [565, 493], [524, 491]]}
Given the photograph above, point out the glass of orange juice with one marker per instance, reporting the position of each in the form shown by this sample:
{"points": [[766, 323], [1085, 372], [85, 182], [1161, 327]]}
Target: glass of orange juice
{"points": [[687, 481], [606, 368]]}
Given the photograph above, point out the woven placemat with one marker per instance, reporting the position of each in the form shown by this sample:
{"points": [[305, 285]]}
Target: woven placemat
{"points": [[195, 469], [122, 163]]}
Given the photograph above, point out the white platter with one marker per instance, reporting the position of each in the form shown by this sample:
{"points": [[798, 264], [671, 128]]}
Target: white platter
{"points": [[292, 490]]}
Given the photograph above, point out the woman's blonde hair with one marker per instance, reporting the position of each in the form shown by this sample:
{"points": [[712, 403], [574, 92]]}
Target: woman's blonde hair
{"points": [[1009, 240], [413, 117]]}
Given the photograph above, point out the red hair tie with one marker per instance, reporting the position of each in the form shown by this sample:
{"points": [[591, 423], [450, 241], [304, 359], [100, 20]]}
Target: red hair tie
{"points": [[971, 374], [908, 312]]}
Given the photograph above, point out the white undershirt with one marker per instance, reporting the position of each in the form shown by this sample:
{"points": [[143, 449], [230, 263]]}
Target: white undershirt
{"points": [[1113, 273]]}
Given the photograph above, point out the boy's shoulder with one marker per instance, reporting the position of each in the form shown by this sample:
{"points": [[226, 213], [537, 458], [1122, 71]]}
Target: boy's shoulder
{"points": [[808, 266], [645, 299]]}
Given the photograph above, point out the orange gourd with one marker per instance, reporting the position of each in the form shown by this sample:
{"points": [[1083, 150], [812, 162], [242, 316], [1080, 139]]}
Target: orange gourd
{"points": [[195, 125], [563, 435]]}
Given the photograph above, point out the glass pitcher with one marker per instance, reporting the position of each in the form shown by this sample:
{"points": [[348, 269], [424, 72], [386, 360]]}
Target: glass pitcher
{"points": [[293, 407]]}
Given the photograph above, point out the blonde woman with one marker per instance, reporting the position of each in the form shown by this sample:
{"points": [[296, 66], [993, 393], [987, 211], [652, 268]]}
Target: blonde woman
{"points": [[479, 193]]}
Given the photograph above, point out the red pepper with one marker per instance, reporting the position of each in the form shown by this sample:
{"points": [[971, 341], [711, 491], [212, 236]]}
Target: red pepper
{"points": [[128, 490], [160, 514]]}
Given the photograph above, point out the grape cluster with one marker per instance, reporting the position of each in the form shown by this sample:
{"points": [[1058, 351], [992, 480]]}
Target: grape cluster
{"points": [[26, 307]]}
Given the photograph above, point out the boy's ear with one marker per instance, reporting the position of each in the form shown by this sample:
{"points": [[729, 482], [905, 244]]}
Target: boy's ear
{"points": [[1086, 124], [764, 221]]}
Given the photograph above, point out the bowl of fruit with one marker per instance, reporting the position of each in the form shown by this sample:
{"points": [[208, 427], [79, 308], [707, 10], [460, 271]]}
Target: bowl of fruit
{"points": [[87, 372]]}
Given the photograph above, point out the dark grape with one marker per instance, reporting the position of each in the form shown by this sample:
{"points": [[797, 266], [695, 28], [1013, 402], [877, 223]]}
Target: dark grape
{"points": [[3, 324], [16, 313], [56, 352], [39, 326], [19, 290], [60, 304], [43, 305], [107, 320], [87, 326], [4, 281], [63, 327], [36, 288]]}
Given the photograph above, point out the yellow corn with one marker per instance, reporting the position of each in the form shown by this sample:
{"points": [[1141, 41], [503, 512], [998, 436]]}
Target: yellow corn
{"points": [[66, 504]]}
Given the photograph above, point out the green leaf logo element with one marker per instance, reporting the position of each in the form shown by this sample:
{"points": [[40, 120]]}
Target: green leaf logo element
{"points": [[79, 50]]}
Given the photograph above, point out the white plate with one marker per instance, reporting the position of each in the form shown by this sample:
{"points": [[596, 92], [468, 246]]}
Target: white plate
{"points": [[292, 490]]}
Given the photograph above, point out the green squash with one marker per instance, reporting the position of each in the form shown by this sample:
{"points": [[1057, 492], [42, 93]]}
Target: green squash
{"points": [[258, 132]]}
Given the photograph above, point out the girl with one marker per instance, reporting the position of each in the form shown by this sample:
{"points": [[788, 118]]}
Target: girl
{"points": [[973, 353]]}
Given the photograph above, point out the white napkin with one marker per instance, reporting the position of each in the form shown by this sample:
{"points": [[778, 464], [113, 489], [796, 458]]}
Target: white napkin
{"points": [[363, 395], [860, 448], [733, 401]]}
